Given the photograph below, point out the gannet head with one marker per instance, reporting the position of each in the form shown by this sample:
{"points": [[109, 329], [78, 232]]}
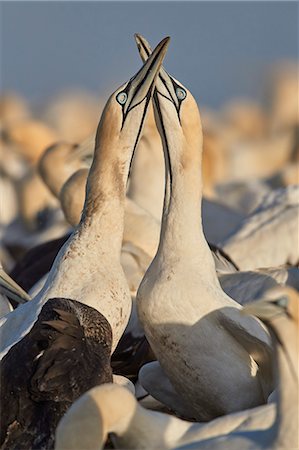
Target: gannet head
{"points": [[176, 110], [279, 301], [123, 116]]}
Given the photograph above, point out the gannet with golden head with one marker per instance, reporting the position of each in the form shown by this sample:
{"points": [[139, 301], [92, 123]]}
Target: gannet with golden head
{"points": [[87, 267], [209, 355]]}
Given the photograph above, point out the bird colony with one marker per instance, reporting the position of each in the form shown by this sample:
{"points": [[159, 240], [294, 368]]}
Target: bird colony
{"points": [[149, 268]]}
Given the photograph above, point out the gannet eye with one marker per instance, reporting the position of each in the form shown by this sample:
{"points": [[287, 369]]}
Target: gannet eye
{"points": [[282, 302], [121, 98], [181, 93]]}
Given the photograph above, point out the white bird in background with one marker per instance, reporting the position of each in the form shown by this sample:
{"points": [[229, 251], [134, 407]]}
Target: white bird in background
{"points": [[87, 267], [195, 330], [269, 235]]}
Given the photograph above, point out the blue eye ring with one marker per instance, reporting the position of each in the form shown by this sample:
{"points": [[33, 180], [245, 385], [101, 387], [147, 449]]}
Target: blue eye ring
{"points": [[180, 93], [282, 302], [121, 98]]}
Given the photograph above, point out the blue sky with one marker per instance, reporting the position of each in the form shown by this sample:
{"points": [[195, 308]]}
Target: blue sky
{"points": [[219, 50]]}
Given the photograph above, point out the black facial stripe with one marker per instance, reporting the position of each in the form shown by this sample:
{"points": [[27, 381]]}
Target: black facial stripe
{"points": [[167, 98], [137, 90], [148, 97], [156, 100], [175, 86], [167, 88], [142, 81]]}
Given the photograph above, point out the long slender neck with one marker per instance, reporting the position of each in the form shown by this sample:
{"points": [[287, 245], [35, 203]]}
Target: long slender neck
{"points": [[103, 214], [181, 221], [286, 424]]}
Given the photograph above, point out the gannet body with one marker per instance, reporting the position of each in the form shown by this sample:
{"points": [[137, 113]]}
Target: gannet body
{"points": [[193, 327]]}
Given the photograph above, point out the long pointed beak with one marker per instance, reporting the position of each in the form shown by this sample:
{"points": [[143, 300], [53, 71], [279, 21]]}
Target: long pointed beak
{"points": [[144, 49], [164, 83], [12, 289], [141, 85]]}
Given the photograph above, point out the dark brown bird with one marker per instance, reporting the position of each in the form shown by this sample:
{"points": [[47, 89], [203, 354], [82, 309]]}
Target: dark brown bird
{"points": [[66, 353]]}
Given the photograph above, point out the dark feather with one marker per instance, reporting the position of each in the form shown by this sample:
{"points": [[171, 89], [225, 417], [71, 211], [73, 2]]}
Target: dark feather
{"points": [[130, 355], [66, 352], [36, 263]]}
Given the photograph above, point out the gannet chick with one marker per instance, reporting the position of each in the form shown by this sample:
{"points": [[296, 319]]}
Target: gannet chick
{"points": [[195, 330], [280, 312], [66, 353], [87, 267]]}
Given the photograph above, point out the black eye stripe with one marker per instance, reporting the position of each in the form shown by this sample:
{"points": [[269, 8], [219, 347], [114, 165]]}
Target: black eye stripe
{"points": [[148, 95], [175, 87], [166, 87]]}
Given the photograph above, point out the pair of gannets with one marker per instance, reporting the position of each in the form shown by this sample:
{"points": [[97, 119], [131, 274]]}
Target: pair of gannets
{"points": [[87, 268], [209, 352], [111, 409]]}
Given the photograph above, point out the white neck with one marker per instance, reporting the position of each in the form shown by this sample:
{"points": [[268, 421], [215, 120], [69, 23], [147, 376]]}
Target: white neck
{"points": [[103, 214], [182, 229]]}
